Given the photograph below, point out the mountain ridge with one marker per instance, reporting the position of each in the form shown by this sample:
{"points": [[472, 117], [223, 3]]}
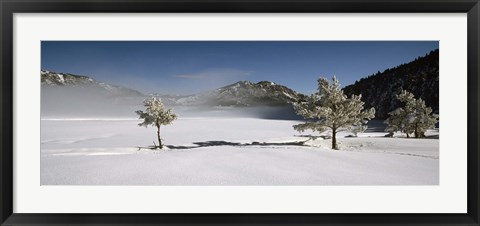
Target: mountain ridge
{"points": [[247, 93], [58, 79], [238, 94]]}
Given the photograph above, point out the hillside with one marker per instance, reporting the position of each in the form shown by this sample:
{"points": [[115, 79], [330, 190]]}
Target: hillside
{"points": [[68, 95], [245, 94], [77, 96], [420, 77], [58, 80]]}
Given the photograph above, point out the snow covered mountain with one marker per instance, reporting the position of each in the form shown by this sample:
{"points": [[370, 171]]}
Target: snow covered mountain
{"points": [[55, 79], [76, 96], [244, 94], [68, 95], [239, 94]]}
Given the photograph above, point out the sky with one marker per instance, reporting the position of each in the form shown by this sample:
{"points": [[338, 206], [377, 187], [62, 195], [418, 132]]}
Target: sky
{"points": [[189, 67]]}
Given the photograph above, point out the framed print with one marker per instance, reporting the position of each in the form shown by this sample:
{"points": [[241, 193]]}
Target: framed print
{"points": [[252, 113]]}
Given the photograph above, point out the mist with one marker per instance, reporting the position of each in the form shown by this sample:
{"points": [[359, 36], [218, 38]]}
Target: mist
{"points": [[261, 112], [86, 102], [92, 103]]}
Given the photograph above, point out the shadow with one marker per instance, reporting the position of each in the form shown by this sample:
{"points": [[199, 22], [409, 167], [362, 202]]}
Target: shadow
{"points": [[216, 143], [147, 147], [293, 143], [313, 137], [180, 147], [432, 137], [233, 144], [168, 146], [376, 126]]}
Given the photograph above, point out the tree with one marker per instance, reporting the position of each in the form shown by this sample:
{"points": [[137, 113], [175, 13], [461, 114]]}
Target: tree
{"points": [[330, 109], [155, 115], [415, 117]]}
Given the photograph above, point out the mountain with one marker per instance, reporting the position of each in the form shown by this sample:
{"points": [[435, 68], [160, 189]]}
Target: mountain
{"points": [[69, 95], [239, 94], [420, 77], [55, 79], [244, 94]]}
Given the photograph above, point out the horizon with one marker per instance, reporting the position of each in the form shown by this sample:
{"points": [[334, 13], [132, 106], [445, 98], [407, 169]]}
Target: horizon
{"points": [[190, 67]]}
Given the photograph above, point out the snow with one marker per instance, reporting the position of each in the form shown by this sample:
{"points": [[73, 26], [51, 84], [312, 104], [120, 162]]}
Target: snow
{"points": [[228, 151], [288, 95], [61, 78], [106, 86]]}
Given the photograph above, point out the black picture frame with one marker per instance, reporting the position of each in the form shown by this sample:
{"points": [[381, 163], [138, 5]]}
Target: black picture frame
{"points": [[10, 7]]}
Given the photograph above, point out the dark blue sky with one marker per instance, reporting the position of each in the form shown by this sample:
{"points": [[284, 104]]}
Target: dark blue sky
{"points": [[186, 67]]}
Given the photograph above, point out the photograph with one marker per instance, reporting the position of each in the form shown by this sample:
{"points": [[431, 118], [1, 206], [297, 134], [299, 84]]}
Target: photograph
{"points": [[255, 112], [239, 113]]}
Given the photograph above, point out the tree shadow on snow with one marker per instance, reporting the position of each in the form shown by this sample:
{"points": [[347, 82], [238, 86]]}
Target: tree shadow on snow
{"points": [[216, 143], [376, 126], [313, 137], [235, 144], [432, 137]]}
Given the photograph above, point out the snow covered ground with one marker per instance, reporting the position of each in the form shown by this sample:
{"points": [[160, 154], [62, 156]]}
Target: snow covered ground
{"points": [[228, 151]]}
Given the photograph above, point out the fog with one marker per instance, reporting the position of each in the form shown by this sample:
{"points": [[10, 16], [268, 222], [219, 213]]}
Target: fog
{"points": [[91, 102], [261, 112]]}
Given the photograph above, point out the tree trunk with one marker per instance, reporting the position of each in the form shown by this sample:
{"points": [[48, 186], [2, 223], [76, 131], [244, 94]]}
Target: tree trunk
{"points": [[334, 139], [416, 130], [160, 145]]}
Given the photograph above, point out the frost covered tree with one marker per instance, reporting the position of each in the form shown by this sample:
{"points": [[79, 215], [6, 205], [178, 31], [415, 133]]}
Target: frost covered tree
{"points": [[415, 117], [331, 109], [156, 115]]}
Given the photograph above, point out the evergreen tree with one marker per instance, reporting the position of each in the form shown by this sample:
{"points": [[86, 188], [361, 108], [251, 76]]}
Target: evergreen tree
{"points": [[330, 109], [415, 117], [155, 115]]}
